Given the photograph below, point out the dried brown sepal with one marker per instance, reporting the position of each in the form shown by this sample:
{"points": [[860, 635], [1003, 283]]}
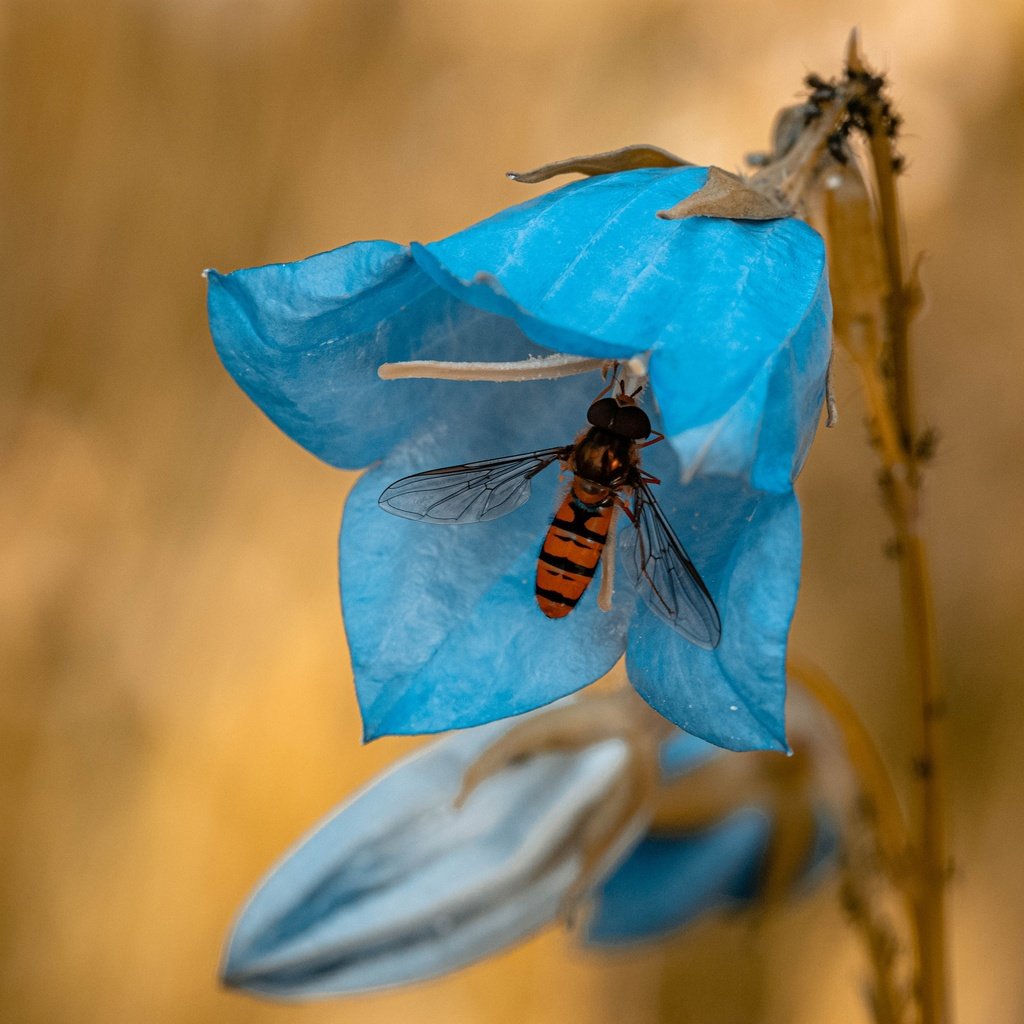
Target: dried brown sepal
{"points": [[854, 58], [712, 791], [628, 158], [831, 407], [729, 197], [856, 262], [788, 790], [708, 794], [794, 829], [789, 125]]}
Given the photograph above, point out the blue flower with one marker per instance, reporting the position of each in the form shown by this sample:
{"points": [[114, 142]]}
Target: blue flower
{"points": [[749, 832], [406, 882], [733, 318], [400, 884]]}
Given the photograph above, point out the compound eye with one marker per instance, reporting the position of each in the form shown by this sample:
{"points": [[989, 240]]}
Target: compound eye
{"points": [[603, 412], [632, 422]]}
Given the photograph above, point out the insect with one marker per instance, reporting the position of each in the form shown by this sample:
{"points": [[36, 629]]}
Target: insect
{"points": [[607, 477]]}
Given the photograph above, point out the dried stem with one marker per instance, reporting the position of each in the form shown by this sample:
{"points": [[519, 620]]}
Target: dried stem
{"points": [[879, 346], [814, 169], [899, 467], [901, 481]]}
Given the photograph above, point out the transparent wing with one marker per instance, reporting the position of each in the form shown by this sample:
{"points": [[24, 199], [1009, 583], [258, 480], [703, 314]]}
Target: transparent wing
{"points": [[475, 492], [666, 578]]}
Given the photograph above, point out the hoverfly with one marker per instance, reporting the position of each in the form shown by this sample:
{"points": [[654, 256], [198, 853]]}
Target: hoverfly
{"points": [[605, 463]]}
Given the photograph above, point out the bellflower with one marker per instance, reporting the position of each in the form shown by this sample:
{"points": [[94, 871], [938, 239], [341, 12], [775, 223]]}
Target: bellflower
{"points": [[417, 876], [731, 319], [739, 830], [403, 883]]}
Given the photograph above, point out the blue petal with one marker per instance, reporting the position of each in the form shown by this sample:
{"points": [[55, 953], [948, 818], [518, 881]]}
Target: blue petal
{"points": [[747, 547], [443, 627], [667, 882], [442, 624], [736, 313], [397, 885], [304, 341], [766, 433]]}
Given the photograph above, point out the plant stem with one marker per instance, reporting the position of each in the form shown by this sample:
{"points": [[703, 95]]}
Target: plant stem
{"points": [[930, 860], [930, 777], [892, 412], [929, 830], [901, 483], [875, 300]]}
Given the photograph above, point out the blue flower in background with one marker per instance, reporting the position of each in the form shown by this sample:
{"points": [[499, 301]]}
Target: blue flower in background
{"points": [[742, 831], [399, 884], [733, 320], [404, 882]]}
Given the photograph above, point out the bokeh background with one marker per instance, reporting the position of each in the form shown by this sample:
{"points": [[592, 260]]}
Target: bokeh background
{"points": [[176, 705]]}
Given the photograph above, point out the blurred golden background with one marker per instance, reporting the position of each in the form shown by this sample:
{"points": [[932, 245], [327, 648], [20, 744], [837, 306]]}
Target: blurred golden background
{"points": [[176, 704]]}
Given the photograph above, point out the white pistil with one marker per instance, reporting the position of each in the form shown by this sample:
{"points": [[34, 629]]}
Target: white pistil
{"points": [[633, 370], [541, 368], [604, 595]]}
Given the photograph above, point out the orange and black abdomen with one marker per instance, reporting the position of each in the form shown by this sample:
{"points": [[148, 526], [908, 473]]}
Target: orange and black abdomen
{"points": [[572, 550]]}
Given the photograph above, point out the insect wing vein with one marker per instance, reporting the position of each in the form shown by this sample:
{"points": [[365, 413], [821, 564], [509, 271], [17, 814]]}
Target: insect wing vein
{"points": [[475, 492], [666, 578]]}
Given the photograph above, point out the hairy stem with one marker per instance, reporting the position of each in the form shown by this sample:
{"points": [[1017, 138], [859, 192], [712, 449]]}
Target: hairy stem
{"points": [[882, 358], [900, 484], [930, 842], [819, 173]]}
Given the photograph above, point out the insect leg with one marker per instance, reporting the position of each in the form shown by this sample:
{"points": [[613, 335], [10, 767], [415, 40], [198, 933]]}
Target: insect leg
{"points": [[611, 383], [619, 503], [654, 440]]}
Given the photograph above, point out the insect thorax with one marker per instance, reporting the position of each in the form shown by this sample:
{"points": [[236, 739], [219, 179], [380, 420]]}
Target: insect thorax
{"points": [[604, 458]]}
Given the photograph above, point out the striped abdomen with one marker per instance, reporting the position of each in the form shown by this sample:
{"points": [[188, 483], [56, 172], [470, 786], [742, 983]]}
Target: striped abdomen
{"points": [[572, 549]]}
